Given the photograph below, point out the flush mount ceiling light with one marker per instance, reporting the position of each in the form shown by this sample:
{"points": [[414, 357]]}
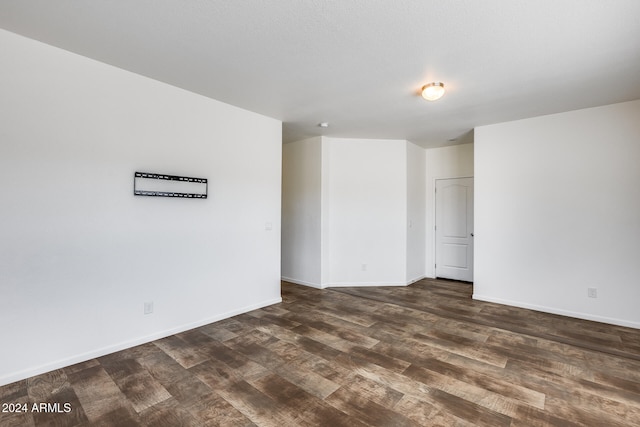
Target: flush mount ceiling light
{"points": [[433, 91]]}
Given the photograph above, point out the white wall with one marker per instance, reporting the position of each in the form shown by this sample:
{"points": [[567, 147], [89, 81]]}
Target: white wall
{"points": [[416, 212], [79, 254], [557, 211], [367, 203], [346, 211], [301, 211], [446, 162]]}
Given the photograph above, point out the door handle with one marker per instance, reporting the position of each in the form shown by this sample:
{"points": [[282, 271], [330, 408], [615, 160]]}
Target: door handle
{"points": [[471, 234]]}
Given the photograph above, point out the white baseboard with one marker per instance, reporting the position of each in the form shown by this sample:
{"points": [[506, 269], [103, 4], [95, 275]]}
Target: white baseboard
{"points": [[58, 364], [302, 282], [362, 284], [412, 281], [553, 310], [349, 284]]}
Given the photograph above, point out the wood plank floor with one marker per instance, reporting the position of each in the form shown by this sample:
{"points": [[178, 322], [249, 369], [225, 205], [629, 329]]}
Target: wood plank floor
{"points": [[424, 355]]}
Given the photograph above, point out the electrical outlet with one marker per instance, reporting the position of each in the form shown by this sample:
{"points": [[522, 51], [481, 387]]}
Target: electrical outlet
{"points": [[148, 307], [592, 292]]}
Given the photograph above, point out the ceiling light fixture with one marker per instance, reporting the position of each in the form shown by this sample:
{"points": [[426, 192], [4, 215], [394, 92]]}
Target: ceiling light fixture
{"points": [[323, 125], [433, 91]]}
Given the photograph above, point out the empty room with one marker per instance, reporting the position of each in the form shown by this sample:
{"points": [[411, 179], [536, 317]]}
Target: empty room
{"points": [[320, 213]]}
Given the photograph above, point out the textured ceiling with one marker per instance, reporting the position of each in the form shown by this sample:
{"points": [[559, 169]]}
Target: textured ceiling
{"points": [[358, 64]]}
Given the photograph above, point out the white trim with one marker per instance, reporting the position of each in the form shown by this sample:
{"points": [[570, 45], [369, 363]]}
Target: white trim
{"points": [[362, 284], [545, 309], [417, 279], [62, 363], [350, 284], [302, 282]]}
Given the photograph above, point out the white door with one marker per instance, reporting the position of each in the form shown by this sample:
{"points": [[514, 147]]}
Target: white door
{"points": [[454, 228]]}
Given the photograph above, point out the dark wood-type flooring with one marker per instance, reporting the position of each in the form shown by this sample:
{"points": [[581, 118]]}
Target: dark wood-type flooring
{"points": [[422, 355]]}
